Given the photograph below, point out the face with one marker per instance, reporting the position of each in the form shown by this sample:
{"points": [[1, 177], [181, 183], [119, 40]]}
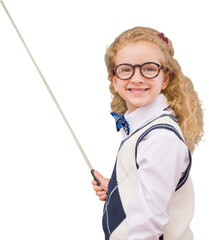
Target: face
{"points": [[138, 90]]}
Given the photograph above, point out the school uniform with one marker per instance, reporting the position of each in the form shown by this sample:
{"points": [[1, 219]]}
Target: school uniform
{"points": [[150, 193]]}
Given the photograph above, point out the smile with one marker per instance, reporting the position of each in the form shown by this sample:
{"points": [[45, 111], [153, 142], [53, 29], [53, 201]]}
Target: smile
{"points": [[137, 90]]}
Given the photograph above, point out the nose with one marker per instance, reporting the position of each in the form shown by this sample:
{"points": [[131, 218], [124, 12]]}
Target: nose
{"points": [[137, 77]]}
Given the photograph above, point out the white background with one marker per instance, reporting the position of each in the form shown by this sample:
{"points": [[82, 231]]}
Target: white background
{"points": [[45, 185]]}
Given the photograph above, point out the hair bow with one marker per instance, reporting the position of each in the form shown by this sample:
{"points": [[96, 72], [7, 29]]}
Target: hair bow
{"points": [[161, 35], [121, 122]]}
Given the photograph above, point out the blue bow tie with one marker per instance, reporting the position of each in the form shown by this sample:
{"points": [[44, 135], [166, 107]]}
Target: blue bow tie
{"points": [[121, 122]]}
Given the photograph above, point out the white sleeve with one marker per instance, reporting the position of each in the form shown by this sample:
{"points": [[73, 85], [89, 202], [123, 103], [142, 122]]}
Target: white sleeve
{"points": [[162, 158]]}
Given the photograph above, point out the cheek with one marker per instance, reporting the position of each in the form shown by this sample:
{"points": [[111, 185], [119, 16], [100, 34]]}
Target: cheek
{"points": [[119, 85], [159, 84], [154, 85]]}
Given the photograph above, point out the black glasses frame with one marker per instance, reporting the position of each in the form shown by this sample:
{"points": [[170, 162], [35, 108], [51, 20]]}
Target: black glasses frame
{"points": [[160, 67]]}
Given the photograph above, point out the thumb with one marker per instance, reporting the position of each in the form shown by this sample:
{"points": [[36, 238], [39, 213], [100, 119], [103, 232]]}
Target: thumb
{"points": [[98, 175], [102, 180]]}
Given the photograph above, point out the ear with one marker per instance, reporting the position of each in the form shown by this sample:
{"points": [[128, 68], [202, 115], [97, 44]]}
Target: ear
{"points": [[166, 80], [114, 81]]}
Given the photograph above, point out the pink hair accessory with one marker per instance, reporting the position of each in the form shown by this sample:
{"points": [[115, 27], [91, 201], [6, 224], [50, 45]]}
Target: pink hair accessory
{"points": [[161, 35]]}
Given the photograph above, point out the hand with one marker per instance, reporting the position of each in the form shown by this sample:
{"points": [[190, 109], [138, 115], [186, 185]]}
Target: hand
{"points": [[101, 191]]}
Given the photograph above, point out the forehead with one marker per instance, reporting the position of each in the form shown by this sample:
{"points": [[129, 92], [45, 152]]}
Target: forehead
{"points": [[139, 53]]}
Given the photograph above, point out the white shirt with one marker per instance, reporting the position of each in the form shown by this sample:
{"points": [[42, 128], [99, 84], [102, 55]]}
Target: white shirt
{"points": [[162, 158]]}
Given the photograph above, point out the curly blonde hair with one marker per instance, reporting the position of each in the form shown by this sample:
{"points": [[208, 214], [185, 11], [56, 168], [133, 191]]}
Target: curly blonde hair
{"points": [[180, 93]]}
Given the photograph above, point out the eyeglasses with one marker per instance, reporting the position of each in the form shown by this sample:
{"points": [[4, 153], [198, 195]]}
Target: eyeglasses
{"points": [[148, 70]]}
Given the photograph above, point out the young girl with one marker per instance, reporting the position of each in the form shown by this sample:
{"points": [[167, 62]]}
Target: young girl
{"points": [[150, 193]]}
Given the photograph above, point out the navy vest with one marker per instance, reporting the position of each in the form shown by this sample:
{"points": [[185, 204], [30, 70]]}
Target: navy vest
{"points": [[114, 213]]}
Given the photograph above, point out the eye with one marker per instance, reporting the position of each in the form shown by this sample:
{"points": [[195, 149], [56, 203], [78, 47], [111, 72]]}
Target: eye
{"points": [[124, 69], [149, 68]]}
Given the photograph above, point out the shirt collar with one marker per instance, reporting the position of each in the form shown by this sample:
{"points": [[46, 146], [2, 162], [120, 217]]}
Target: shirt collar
{"points": [[145, 113]]}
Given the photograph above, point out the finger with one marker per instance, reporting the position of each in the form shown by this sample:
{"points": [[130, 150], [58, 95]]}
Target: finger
{"points": [[98, 189], [101, 193], [103, 198], [94, 182]]}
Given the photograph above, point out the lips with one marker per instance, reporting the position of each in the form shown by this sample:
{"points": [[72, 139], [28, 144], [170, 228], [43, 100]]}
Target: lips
{"points": [[138, 90]]}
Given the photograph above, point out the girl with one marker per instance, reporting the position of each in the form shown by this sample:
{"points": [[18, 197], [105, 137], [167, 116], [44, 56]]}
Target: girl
{"points": [[150, 193]]}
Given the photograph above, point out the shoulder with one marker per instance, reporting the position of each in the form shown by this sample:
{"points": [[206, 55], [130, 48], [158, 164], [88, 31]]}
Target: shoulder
{"points": [[161, 145], [162, 140], [163, 134]]}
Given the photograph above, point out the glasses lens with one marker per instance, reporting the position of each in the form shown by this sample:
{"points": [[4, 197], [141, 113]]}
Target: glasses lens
{"points": [[124, 71], [150, 70]]}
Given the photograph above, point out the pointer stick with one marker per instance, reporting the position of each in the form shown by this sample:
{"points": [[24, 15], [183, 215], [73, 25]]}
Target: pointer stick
{"points": [[52, 95]]}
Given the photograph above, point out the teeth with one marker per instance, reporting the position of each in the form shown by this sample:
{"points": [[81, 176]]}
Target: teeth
{"points": [[137, 90]]}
